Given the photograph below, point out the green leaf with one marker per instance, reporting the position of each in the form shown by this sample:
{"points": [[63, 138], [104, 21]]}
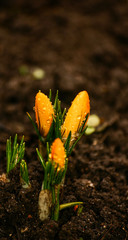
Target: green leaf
{"points": [[76, 142], [52, 175], [14, 153], [57, 127], [48, 150], [63, 115], [41, 158], [8, 153], [67, 205], [36, 128], [56, 205], [50, 133], [59, 177], [83, 124], [24, 174], [67, 143], [56, 101], [50, 94]]}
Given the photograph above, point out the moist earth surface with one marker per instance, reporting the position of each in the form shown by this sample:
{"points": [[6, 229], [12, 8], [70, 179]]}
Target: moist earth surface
{"points": [[77, 45]]}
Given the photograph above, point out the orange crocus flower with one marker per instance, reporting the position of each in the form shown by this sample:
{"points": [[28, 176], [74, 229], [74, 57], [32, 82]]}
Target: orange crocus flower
{"points": [[44, 113], [58, 154], [75, 116]]}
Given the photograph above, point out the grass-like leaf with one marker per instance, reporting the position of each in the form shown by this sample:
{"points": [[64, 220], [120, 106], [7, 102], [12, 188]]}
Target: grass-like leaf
{"points": [[50, 95], [74, 144], [57, 128], [36, 128], [56, 101], [83, 124], [63, 115], [24, 174], [67, 205], [41, 158], [67, 143], [15, 153]]}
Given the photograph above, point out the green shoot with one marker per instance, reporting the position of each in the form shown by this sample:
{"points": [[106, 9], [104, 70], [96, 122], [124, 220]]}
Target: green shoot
{"points": [[53, 179], [24, 174], [14, 153], [80, 209]]}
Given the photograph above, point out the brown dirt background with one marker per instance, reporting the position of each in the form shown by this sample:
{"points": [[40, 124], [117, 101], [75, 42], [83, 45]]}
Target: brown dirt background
{"points": [[80, 45]]}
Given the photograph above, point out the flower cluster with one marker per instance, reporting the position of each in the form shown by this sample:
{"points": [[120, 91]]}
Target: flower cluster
{"points": [[50, 120], [60, 133]]}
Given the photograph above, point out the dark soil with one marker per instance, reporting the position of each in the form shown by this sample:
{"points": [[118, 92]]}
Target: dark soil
{"points": [[80, 45]]}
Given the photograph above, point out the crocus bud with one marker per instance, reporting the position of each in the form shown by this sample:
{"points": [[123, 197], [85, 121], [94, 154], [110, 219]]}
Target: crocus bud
{"points": [[75, 116], [58, 154], [44, 113]]}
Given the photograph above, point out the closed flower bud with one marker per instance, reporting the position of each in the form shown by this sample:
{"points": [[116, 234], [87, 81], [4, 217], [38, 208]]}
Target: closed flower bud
{"points": [[44, 113], [58, 154], [75, 116]]}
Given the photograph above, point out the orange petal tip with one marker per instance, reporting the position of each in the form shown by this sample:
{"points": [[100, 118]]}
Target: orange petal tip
{"points": [[44, 113]]}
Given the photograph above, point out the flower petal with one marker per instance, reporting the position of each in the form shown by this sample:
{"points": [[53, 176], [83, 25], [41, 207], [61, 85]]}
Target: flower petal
{"points": [[58, 154], [44, 113], [76, 115]]}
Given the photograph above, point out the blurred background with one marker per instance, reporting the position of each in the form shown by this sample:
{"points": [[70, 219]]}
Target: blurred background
{"points": [[66, 45]]}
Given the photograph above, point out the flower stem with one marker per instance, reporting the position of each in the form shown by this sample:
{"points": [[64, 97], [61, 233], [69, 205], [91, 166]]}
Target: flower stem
{"points": [[56, 206]]}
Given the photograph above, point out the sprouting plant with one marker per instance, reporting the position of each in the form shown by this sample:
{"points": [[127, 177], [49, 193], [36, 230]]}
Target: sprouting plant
{"points": [[58, 132], [60, 136], [54, 172], [24, 174], [80, 209], [14, 153]]}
